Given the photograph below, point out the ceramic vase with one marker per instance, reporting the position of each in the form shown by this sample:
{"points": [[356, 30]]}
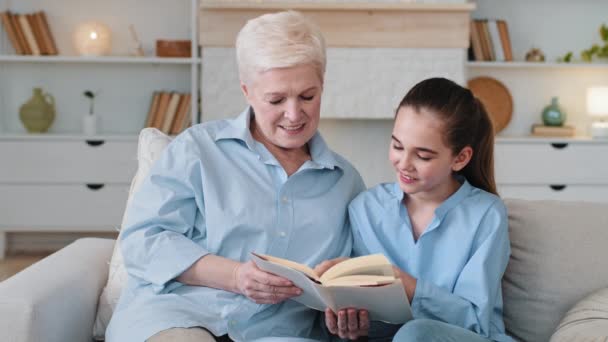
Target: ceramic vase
{"points": [[553, 114], [38, 113]]}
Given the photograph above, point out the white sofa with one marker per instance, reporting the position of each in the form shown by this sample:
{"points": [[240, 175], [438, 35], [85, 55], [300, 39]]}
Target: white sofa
{"points": [[559, 258]]}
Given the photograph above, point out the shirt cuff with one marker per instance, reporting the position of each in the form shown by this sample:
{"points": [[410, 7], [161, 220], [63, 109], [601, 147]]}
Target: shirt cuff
{"points": [[176, 257]]}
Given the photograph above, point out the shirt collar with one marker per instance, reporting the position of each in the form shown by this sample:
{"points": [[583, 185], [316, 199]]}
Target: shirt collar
{"points": [[238, 128]]}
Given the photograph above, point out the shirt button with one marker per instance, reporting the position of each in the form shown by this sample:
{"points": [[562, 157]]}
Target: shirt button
{"points": [[285, 199], [282, 234]]}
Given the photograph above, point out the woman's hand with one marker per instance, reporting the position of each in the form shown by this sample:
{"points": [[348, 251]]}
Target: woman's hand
{"points": [[327, 264], [348, 323], [262, 287]]}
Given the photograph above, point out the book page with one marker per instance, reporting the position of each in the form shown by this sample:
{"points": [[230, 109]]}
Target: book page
{"points": [[292, 264], [312, 295], [375, 264], [360, 280]]}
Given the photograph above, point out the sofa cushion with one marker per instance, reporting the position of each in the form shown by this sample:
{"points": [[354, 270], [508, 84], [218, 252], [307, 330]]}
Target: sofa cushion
{"points": [[558, 256], [151, 144], [586, 321]]}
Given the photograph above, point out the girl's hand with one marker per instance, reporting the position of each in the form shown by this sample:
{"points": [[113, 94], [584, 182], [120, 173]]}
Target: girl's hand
{"points": [[349, 323], [409, 282], [327, 264], [262, 287]]}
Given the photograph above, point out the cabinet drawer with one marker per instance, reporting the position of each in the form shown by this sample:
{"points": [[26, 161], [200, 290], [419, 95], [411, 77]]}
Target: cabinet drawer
{"points": [[587, 193], [551, 163], [68, 161], [62, 207]]}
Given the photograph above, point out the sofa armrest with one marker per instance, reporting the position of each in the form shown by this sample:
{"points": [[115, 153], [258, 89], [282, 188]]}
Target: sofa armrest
{"points": [[56, 298]]}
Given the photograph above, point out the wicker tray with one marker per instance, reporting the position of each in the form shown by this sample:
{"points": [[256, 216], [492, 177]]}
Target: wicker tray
{"points": [[495, 97]]}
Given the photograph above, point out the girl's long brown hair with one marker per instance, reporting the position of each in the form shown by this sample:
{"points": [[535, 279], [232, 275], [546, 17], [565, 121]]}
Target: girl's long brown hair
{"points": [[466, 123]]}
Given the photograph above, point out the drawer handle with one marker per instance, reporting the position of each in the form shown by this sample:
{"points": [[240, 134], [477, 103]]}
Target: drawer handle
{"points": [[95, 186], [559, 146], [95, 143], [557, 187]]}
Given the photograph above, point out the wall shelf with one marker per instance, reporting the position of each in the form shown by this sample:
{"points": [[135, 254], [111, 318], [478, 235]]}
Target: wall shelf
{"points": [[337, 5], [101, 60], [535, 65]]}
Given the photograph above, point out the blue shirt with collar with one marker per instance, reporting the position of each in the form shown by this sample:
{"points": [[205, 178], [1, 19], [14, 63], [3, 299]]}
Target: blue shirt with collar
{"points": [[216, 190], [458, 261]]}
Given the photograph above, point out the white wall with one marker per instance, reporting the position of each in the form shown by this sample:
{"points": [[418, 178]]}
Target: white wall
{"points": [[362, 89]]}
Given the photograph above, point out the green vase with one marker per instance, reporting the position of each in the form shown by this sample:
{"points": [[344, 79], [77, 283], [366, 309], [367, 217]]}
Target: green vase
{"points": [[38, 113], [553, 114]]}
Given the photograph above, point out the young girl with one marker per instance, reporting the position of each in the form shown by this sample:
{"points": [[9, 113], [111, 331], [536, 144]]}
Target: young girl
{"points": [[441, 224]]}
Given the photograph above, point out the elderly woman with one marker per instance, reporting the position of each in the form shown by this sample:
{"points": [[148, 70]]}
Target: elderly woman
{"points": [[262, 182]]}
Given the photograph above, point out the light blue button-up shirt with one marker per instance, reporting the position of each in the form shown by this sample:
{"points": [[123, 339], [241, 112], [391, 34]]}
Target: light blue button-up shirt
{"points": [[458, 260], [217, 190]]}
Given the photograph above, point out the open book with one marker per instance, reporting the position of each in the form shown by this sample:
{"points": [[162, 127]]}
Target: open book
{"points": [[366, 282]]}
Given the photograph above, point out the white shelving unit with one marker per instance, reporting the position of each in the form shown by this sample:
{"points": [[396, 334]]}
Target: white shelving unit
{"points": [[62, 180], [125, 83], [557, 168]]}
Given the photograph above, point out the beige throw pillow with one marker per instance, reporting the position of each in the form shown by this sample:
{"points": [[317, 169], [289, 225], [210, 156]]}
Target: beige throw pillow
{"points": [[558, 257], [151, 144], [586, 321]]}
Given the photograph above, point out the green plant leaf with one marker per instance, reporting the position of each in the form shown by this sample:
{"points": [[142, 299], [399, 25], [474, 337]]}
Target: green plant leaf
{"points": [[604, 32], [586, 55]]}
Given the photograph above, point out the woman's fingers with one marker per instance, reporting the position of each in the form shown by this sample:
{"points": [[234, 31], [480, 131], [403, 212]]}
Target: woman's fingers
{"points": [[363, 321], [263, 287], [349, 323], [342, 324], [331, 321]]}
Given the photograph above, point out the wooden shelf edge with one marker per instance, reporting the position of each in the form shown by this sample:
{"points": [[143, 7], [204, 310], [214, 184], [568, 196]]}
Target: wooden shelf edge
{"points": [[533, 65], [333, 5], [100, 60]]}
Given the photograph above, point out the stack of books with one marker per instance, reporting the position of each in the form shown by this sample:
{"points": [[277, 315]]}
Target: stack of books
{"points": [[169, 112], [553, 131], [490, 41], [29, 33]]}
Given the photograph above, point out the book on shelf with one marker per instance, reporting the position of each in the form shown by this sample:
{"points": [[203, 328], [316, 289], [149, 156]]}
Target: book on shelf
{"points": [[503, 30], [36, 30], [476, 43], [29, 34], [169, 112], [159, 114], [366, 282], [490, 40], [182, 119], [7, 23], [553, 131], [20, 35]]}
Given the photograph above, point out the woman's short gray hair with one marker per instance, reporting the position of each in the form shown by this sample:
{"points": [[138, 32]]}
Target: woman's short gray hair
{"points": [[279, 40]]}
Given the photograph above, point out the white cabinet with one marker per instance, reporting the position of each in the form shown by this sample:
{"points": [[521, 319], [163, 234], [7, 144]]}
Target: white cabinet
{"points": [[64, 183], [557, 169]]}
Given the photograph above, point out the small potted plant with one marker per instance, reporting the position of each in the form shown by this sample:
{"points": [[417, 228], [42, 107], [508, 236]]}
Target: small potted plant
{"points": [[89, 121]]}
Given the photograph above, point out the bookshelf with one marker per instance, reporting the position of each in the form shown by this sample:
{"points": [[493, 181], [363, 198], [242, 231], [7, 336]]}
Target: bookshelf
{"points": [[557, 168], [63, 180], [125, 83]]}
